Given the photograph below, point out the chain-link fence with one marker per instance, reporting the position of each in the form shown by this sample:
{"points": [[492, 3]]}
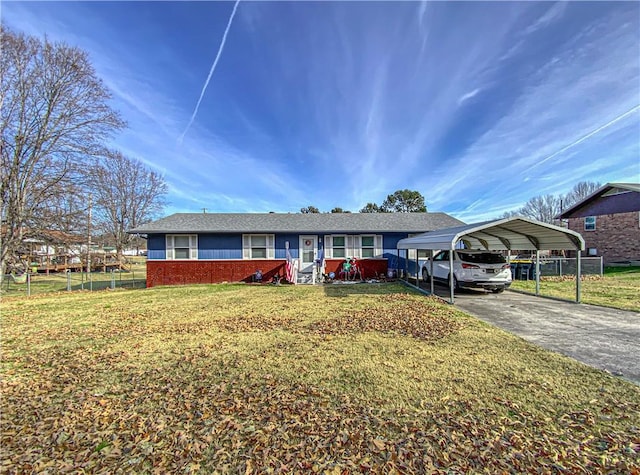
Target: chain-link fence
{"points": [[556, 266], [559, 266], [39, 283]]}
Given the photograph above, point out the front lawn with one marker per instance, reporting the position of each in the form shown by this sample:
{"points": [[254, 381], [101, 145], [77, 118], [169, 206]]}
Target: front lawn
{"points": [[619, 287], [257, 379]]}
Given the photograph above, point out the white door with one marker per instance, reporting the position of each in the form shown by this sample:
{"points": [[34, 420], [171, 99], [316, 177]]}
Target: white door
{"points": [[308, 251]]}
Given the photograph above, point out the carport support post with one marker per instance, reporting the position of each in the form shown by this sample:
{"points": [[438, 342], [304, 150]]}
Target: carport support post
{"points": [[406, 265], [578, 271], [537, 270], [417, 270], [431, 269], [451, 275]]}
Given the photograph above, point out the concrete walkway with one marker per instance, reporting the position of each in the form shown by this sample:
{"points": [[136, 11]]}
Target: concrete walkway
{"points": [[601, 337]]}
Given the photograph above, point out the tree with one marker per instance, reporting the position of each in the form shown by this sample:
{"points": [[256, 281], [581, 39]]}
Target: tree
{"points": [[337, 209], [309, 209], [579, 192], [126, 195], [371, 208], [404, 201], [511, 214], [54, 114], [543, 208]]}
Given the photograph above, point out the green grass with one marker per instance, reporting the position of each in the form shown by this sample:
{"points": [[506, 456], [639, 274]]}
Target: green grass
{"points": [[253, 379], [619, 287]]}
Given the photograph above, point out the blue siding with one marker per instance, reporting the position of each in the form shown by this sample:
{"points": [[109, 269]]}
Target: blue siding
{"points": [[229, 246], [220, 246], [294, 241], [156, 247]]}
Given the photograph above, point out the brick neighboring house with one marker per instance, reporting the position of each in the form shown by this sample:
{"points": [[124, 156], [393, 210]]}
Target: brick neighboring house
{"points": [[609, 221]]}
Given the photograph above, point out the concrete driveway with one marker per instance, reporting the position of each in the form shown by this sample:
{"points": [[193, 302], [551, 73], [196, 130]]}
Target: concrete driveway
{"points": [[605, 338]]}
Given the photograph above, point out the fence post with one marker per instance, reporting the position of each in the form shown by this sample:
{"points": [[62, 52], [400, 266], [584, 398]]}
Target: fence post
{"points": [[560, 272], [28, 284], [601, 267], [113, 280], [68, 280]]}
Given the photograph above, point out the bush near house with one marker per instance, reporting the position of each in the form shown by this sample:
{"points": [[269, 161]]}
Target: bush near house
{"points": [[334, 379]]}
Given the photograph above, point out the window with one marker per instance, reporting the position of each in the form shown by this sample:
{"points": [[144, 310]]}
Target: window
{"points": [[367, 246], [182, 246], [258, 246], [338, 247], [590, 223], [422, 253], [442, 256], [358, 246]]}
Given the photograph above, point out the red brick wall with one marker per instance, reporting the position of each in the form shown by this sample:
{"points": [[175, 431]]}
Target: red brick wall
{"points": [[215, 272], [616, 237], [370, 268], [209, 272]]}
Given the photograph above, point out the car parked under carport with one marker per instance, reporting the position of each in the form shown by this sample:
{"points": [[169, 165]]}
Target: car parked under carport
{"points": [[506, 234]]}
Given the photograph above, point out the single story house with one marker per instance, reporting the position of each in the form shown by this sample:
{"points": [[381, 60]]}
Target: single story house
{"points": [[609, 221], [187, 248]]}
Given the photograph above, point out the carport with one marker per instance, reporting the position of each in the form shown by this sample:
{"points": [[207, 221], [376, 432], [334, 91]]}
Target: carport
{"points": [[506, 234]]}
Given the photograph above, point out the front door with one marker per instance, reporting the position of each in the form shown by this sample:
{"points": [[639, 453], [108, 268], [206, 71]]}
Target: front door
{"points": [[308, 250]]}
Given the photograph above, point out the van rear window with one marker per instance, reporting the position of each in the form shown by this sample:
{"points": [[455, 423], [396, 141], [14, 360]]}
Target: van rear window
{"points": [[483, 258]]}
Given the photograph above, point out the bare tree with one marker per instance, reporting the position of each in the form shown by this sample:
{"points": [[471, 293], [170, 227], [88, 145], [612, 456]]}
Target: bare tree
{"points": [[579, 192], [54, 114], [543, 208], [126, 195], [511, 214]]}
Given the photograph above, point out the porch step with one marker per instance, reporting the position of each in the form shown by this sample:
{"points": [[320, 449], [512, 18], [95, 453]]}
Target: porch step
{"points": [[305, 279]]}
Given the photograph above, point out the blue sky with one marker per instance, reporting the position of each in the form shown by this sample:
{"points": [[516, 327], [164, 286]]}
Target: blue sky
{"points": [[479, 106]]}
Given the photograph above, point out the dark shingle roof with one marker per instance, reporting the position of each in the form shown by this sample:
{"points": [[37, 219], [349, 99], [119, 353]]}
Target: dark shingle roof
{"points": [[602, 191], [298, 223]]}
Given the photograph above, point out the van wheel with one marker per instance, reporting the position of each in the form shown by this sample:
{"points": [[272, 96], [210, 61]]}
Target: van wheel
{"points": [[425, 275], [455, 282]]}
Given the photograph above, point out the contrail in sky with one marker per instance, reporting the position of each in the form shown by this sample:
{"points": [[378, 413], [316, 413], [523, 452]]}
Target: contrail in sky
{"points": [[213, 68], [585, 137]]}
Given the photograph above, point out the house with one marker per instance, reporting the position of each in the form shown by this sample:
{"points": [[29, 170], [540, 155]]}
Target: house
{"points": [[609, 221], [187, 248]]}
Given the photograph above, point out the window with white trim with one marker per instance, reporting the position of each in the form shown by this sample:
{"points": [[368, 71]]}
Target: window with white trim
{"points": [[338, 247], [258, 246], [182, 246], [367, 246], [590, 223], [422, 253]]}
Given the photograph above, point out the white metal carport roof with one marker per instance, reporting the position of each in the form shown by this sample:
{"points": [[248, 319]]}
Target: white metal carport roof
{"points": [[501, 234]]}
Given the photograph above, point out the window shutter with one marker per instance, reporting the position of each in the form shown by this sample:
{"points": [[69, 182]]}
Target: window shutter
{"points": [[271, 246], [379, 251], [328, 247], [193, 246], [357, 247], [169, 247], [246, 246], [350, 247]]}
